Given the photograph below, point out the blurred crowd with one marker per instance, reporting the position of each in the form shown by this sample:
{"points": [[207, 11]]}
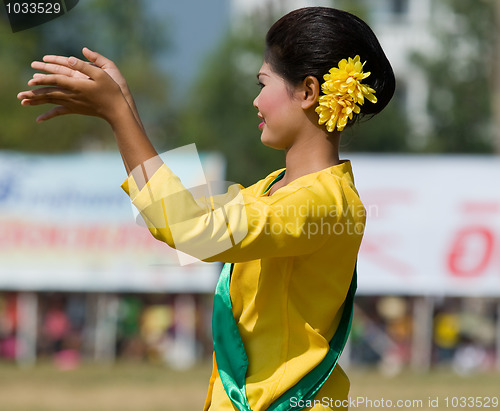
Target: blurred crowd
{"points": [[171, 329], [462, 333], [175, 330]]}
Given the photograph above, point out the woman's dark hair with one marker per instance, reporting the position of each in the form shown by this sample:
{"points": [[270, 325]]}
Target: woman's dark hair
{"points": [[312, 40]]}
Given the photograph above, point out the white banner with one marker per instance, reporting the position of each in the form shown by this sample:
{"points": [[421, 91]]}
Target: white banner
{"points": [[433, 225]]}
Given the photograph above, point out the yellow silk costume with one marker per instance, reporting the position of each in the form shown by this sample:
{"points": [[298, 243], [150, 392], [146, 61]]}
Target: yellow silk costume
{"points": [[293, 268]]}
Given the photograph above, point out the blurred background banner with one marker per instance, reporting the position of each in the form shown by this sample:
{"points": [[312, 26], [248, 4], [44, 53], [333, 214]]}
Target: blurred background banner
{"points": [[66, 225], [433, 225]]}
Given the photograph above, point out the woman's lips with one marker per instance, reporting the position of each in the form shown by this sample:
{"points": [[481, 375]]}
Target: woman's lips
{"points": [[262, 124]]}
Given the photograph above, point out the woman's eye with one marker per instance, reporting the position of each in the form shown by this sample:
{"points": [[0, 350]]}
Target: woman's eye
{"points": [[260, 84]]}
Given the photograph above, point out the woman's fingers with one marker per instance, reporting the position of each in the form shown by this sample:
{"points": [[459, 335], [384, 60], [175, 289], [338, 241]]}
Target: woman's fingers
{"points": [[51, 80], [56, 69], [42, 95], [85, 67], [72, 63], [59, 80], [98, 59], [108, 66], [60, 60], [54, 112]]}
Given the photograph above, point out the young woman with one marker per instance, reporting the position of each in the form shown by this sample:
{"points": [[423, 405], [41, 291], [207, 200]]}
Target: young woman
{"points": [[283, 304]]}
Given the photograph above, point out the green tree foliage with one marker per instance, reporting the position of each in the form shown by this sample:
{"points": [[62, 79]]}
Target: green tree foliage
{"points": [[123, 31], [459, 74]]}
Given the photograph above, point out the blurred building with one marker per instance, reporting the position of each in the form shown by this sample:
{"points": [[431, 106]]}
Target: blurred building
{"points": [[403, 28], [246, 7]]}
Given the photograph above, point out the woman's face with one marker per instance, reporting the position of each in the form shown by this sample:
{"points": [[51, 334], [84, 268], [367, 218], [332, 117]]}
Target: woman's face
{"points": [[279, 110]]}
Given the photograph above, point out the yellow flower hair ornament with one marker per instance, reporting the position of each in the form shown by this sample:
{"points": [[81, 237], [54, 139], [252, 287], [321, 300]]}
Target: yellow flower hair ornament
{"points": [[343, 94]]}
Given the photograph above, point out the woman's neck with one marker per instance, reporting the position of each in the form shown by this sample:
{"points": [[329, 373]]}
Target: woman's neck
{"points": [[309, 155], [312, 154]]}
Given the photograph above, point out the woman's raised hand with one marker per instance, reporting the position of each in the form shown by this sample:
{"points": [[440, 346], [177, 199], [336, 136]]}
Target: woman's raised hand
{"points": [[94, 88]]}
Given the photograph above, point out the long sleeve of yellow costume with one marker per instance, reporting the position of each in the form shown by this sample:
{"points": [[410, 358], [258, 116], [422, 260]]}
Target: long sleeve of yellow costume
{"points": [[295, 252]]}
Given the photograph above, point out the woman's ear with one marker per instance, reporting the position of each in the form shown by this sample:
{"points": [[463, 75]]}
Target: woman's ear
{"points": [[311, 91]]}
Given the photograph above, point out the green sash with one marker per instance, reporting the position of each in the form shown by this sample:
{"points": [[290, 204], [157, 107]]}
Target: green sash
{"points": [[232, 360]]}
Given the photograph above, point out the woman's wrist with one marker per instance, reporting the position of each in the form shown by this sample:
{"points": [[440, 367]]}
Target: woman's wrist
{"points": [[118, 113], [132, 141], [127, 94], [131, 102]]}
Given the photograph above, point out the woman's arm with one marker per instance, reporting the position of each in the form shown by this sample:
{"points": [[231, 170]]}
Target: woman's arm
{"points": [[94, 89]]}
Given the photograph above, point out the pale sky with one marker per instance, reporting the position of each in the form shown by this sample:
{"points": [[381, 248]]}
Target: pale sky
{"points": [[197, 26]]}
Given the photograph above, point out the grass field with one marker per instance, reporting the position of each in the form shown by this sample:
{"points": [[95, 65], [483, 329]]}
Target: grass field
{"points": [[142, 387]]}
